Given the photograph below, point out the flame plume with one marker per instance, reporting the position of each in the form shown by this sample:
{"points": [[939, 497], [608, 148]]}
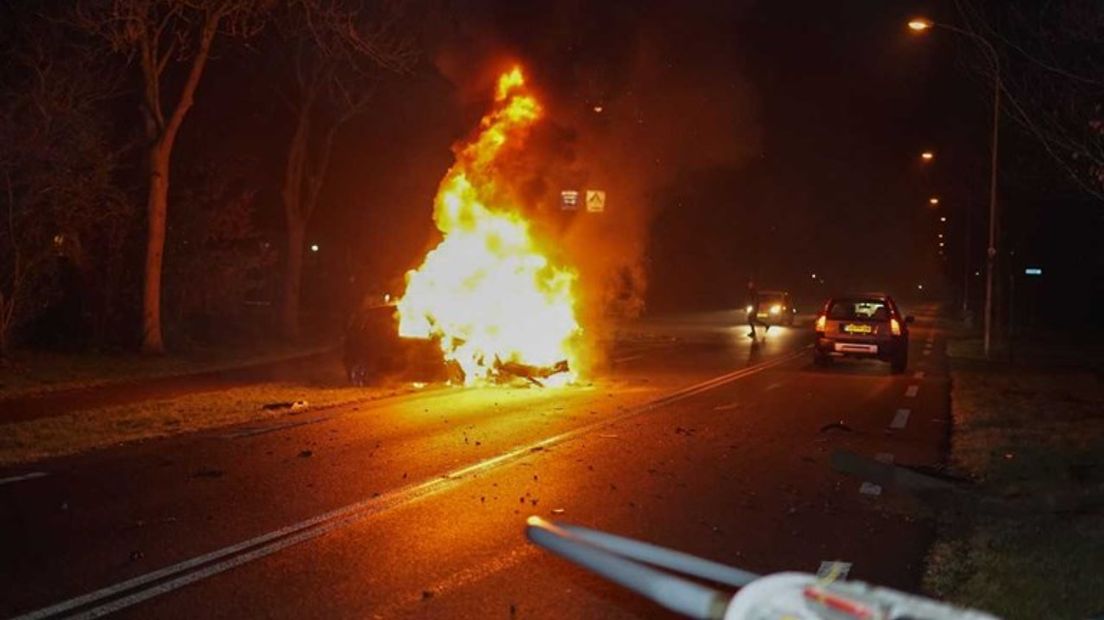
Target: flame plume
{"points": [[487, 293]]}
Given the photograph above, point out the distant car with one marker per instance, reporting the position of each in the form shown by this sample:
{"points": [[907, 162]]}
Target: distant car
{"points": [[867, 325], [775, 308]]}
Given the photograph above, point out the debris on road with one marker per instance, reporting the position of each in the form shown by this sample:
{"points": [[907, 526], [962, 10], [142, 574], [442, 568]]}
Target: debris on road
{"points": [[297, 405], [208, 472], [835, 426], [869, 488]]}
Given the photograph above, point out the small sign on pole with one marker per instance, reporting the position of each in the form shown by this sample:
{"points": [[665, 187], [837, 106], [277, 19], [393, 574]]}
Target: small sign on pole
{"points": [[569, 200], [595, 200]]}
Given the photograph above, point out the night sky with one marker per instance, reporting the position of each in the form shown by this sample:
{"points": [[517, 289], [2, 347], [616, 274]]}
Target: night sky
{"points": [[755, 139]]}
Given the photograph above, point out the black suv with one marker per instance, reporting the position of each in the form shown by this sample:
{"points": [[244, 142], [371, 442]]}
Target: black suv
{"points": [[868, 325]]}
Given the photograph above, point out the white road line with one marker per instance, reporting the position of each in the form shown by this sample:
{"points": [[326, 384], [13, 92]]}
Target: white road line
{"points": [[30, 476], [224, 559], [900, 419], [622, 360], [869, 488], [833, 569], [911, 391], [927, 351], [250, 432], [919, 374], [884, 457], [727, 407]]}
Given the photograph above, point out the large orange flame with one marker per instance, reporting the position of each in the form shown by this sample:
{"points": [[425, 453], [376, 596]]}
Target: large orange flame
{"points": [[487, 292]]}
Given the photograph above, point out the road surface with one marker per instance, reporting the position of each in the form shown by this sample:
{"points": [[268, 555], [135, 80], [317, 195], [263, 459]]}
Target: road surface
{"points": [[415, 506]]}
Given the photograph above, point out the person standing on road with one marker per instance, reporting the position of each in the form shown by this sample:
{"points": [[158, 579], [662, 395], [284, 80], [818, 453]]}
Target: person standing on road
{"points": [[752, 307]]}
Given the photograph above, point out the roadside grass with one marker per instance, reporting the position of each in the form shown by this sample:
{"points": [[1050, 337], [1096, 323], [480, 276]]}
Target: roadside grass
{"points": [[27, 373], [1020, 432], [80, 431]]}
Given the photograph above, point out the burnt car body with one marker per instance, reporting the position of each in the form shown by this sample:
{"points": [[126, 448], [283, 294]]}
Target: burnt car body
{"points": [[372, 345], [868, 325]]}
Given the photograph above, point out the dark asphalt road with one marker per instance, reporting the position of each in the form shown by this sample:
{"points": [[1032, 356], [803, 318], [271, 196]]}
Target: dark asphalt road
{"points": [[415, 506]]}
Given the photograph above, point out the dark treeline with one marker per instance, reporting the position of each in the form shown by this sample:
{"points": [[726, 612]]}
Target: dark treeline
{"points": [[160, 161]]}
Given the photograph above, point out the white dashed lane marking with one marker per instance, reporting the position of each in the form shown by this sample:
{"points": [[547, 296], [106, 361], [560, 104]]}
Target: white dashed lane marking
{"points": [[833, 569], [912, 391], [919, 374], [900, 419]]}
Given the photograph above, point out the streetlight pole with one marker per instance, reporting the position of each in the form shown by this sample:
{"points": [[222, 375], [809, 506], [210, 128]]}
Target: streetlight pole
{"points": [[920, 25]]}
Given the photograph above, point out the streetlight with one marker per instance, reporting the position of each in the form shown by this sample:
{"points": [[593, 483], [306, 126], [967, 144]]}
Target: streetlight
{"points": [[943, 218], [314, 247], [927, 156], [918, 25], [933, 201]]}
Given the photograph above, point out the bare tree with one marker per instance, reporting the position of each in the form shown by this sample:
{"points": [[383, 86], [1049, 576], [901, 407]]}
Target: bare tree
{"points": [[156, 34], [56, 165], [336, 51], [1052, 76]]}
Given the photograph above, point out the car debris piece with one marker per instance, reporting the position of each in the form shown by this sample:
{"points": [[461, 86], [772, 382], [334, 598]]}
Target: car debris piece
{"points": [[835, 426]]}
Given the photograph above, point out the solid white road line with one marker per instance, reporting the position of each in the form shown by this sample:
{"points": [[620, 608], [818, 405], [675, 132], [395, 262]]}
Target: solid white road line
{"points": [[911, 391], [727, 407], [30, 476], [919, 374], [221, 560], [900, 419]]}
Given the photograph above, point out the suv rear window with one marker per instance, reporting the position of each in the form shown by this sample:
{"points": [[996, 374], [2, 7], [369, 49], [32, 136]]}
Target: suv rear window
{"points": [[858, 310]]}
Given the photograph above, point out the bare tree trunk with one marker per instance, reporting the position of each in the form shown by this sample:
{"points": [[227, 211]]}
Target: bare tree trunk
{"points": [[165, 132], [293, 279], [296, 216], [157, 208]]}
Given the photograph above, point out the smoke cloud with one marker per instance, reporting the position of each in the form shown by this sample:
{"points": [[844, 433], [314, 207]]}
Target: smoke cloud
{"points": [[636, 100]]}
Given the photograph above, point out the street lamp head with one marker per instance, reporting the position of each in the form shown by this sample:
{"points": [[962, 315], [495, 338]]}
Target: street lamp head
{"points": [[933, 201], [927, 156], [943, 219], [919, 24]]}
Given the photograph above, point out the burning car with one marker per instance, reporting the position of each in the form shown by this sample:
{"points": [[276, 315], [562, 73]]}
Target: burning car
{"points": [[494, 302]]}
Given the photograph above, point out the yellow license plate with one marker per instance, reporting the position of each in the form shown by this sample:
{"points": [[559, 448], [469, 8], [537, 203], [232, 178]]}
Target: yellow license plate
{"points": [[858, 329]]}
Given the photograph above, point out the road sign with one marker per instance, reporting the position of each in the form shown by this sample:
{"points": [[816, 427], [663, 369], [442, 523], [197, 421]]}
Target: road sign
{"points": [[569, 200], [1033, 271], [595, 200]]}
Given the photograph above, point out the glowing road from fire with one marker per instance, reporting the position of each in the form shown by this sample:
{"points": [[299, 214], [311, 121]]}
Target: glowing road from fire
{"points": [[415, 505]]}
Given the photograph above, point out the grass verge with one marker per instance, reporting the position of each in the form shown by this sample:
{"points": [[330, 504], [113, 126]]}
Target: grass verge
{"points": [[84, 430], [1022, 433], [28, 373]]}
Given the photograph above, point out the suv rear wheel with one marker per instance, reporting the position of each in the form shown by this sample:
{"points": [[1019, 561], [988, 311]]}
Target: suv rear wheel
{"points": [[899, 362]]}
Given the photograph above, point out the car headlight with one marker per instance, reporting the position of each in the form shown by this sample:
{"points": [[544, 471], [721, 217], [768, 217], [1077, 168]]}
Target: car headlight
{"points": [[775, 309]]}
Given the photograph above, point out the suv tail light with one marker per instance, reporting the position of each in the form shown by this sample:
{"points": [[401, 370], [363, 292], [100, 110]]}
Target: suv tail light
{"points": [[822, 323], [895, 327]]}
